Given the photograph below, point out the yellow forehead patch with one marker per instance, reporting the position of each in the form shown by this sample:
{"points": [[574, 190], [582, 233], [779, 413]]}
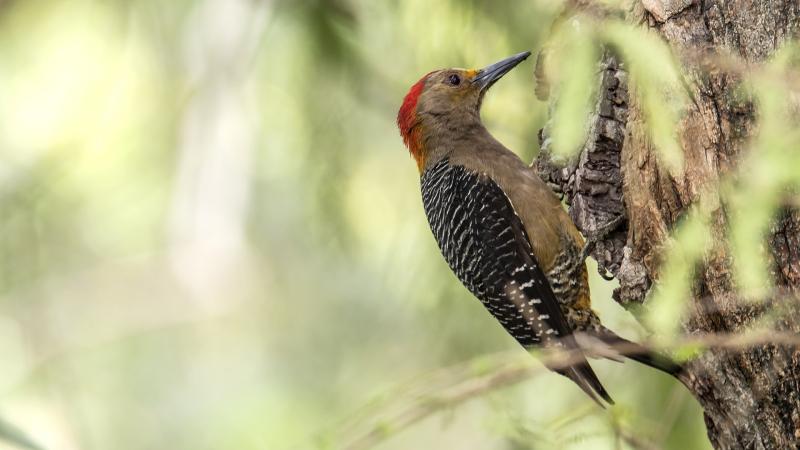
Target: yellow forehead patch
{"points": [[472, 72]]}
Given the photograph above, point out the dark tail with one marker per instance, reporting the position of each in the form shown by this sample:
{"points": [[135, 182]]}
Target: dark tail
{"points": [[640, 353], [581, 373]]}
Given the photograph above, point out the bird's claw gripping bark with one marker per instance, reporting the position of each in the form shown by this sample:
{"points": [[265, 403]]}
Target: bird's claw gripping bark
{"points": [[590, 245], [556, 188], [604, 274], [598, 235]]}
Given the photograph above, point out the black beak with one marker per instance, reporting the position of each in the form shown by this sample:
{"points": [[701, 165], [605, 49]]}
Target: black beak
{"points": [[487, 76]]}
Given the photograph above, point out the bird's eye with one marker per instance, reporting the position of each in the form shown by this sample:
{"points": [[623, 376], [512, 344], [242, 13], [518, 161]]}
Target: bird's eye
{"points": [[453, 80]]}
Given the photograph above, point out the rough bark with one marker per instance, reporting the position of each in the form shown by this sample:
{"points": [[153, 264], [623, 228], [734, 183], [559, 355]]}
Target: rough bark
{"points": [[751, 397]]}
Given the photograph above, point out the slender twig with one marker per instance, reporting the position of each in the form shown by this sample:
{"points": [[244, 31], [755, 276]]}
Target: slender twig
{"points": [[510, 371]]}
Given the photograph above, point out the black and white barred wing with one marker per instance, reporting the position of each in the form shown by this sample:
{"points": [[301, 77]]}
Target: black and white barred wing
{"points": [[485, 243]]}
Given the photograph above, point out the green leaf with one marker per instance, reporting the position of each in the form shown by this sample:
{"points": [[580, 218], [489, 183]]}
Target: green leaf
{"points": [[752, 212], [768, 169], [574, 58], [691, 241], [656, 80], [688, 352]]}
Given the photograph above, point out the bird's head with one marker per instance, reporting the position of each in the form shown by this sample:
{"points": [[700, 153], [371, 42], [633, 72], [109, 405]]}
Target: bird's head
{"points": [[446, 102]]}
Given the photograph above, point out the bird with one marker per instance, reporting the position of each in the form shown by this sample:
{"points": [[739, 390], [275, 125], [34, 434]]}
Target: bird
{"points": [[503, 232]]}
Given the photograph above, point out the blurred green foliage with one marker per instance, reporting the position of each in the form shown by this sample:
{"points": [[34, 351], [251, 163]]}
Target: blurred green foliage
{"points": [[212, 235], [578, 77]]}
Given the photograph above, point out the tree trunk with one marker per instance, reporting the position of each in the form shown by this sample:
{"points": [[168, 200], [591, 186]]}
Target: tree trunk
{"points": [[751, 397]]}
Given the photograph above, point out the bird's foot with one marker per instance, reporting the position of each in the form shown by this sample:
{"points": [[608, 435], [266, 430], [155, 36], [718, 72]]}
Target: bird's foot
{"points": [[597, 236], [556, 188]]}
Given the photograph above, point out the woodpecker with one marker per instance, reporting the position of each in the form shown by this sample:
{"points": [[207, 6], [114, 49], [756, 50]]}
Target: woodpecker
{"points": [[502, 231]]}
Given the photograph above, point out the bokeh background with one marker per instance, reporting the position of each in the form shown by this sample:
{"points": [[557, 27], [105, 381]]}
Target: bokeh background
{"points": [[211, 235]]}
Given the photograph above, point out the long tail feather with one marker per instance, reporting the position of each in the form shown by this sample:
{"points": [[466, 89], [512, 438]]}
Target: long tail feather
{"points": [[585, 378], [581, 373], [640, 353]]}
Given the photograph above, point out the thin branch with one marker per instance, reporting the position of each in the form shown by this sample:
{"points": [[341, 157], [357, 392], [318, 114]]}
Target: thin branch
{"points": [[512, 370]]}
